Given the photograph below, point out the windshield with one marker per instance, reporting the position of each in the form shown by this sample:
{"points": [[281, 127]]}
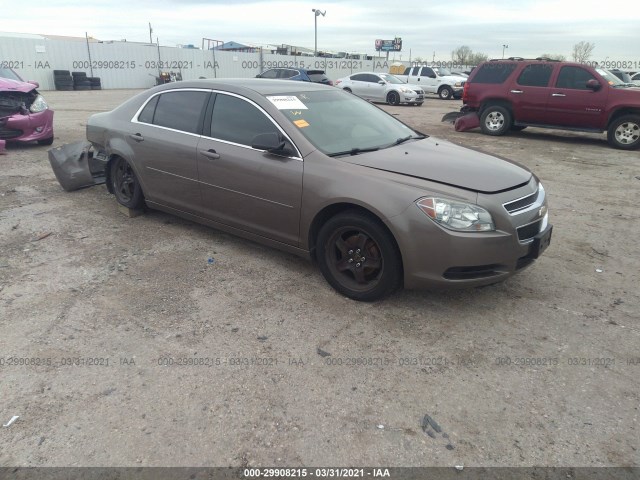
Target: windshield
{"points": [[390, 78], [609, 77], [336, 122], [10, 74]]}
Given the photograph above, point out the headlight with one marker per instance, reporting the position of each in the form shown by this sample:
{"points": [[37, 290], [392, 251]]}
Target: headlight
{"points": [[38, 105], [406, 90], [460, 216], [458, 84]]}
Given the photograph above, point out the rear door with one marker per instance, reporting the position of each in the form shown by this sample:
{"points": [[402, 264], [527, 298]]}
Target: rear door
{"points": [[243, 187], [360, 85], [377, 91], [164, 137], [572, 104], [529, 93]]}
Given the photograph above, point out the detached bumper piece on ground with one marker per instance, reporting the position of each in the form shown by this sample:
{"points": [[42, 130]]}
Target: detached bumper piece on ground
{"points": [[76, 166]]}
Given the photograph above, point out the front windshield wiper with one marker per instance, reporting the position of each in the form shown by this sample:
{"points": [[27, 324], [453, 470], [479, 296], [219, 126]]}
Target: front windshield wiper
{"points": [[404, 139], [354, 151]]}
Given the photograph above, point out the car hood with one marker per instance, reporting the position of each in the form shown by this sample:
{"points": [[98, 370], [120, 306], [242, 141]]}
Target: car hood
{"points": [[444, 162], [7, 85]]}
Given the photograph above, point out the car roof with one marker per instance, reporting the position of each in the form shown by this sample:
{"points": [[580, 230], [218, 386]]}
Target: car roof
{"points": [[262, 86]]}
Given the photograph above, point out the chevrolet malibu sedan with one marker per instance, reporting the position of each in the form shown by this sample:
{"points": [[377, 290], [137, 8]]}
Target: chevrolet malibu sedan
{"points": [[381, 87], [24, 114], [318, 172]]}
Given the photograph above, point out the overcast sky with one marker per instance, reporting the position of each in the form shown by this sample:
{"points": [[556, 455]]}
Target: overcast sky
{"points": [[529, 28]]}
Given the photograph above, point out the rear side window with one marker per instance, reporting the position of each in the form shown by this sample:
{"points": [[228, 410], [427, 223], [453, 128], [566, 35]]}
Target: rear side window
{"points": [[236, 120], [359, 77], [575, 78], [286, 73], [535, 75], [180, 110], [493, 72], [146, 115]]}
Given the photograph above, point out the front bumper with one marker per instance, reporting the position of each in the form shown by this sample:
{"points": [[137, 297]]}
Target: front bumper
{"points": [[412, 97], [27, 128], [435, 257]]}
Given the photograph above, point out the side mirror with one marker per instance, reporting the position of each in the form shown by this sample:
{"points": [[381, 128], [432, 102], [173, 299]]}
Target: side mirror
{"points": [[272, 143], [381, 82], [593, 84]]}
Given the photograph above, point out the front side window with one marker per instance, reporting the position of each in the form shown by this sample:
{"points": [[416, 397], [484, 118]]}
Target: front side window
{"points": [[575, 78], [427, 72], [236, 120], [179, 110]]}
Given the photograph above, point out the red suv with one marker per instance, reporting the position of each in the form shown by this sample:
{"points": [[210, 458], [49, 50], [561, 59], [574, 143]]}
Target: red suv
{"points": [[515, 93]]}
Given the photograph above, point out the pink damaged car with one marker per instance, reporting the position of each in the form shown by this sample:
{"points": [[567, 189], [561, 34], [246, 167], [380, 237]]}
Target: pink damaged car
{"points": [[24, 115]]}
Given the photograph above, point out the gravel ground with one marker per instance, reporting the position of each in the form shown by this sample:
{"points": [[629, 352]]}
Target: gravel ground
{"points": [[541, 370]]}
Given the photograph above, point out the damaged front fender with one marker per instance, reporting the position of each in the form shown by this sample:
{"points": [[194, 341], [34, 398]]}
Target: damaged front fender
{"points": [[76, 165]]}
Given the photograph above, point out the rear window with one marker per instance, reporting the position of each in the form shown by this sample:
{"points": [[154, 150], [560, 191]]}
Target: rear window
{"points": [[493, 72], [180, 110], [318, 77]]}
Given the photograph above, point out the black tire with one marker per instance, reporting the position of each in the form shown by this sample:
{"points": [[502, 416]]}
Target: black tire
{"points": [[518, 128], [125, 184], [419, 104], [347, 238], [65, 88], [393, 98], [445, 93], [348, 90], [495, 120], [96, 87], [46, 141], [78, 74], [64, 73], [624, 132], [82, 87]]}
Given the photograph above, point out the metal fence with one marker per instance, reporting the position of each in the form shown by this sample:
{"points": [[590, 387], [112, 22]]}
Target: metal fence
{"points": [[136, 65]]}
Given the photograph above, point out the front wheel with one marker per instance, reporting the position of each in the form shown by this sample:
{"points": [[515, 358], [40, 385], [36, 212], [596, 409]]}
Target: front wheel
{"points": [[624, 132], [126, 186], [348, 90], [393, 98], [358, 257], [445, 93], [495, 120]]}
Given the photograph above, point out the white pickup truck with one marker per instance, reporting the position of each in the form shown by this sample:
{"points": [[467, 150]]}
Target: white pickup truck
{"points": [[437, 80]]}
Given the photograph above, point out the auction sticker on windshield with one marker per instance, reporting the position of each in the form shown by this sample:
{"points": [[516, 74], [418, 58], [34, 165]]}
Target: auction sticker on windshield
{"points": [[289, 102]]}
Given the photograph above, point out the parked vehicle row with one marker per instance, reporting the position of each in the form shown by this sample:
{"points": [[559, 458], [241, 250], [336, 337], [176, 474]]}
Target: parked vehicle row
{"points": [[516, 93], [437, 80], [381, 87]]}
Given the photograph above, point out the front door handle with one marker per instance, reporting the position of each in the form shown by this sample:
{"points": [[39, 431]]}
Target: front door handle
{"points": [[137, 137], [517, 91], [211, 153], [558, 95]]}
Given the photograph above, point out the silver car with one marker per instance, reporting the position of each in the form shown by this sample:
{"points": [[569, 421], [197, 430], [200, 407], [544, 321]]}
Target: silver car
{"points": [[381, 87], [318, 172]]}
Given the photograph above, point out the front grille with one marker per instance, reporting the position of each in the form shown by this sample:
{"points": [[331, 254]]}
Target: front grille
{"points": [[527, 232], [521, 204], [8, 133], [471, 273]]}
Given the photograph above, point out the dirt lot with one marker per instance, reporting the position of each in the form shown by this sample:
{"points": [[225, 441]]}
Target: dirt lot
{"points": [[540, 370]]}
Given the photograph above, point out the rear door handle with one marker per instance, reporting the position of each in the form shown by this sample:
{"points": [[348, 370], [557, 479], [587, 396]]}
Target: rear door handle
{"points": [[211, 153], [558, 95], [517, 91], [137, 137]]}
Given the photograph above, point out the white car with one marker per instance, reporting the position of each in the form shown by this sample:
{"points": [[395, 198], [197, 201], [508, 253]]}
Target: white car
{"points": [[381, 87], [636, 79]]}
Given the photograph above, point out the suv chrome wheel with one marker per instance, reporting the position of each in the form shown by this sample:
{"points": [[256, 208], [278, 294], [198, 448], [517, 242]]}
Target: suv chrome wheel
{"points": [[495, 120], [624, 133]]}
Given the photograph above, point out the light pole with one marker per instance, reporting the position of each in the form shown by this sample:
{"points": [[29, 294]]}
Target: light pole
{"points": [[503, 47], [317, 13]]}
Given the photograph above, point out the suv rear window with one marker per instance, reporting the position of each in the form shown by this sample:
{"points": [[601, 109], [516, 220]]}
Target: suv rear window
{"points": [[494, 72]]}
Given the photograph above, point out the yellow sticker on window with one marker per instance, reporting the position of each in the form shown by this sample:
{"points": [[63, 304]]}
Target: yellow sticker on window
{"points": [[301, 123]]}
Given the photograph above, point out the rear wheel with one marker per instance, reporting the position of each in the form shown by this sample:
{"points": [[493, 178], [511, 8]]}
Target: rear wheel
{"points": [[495, 120], [393, 98], [358, 257], [624, 132], [445, 93], [126, 186]]}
